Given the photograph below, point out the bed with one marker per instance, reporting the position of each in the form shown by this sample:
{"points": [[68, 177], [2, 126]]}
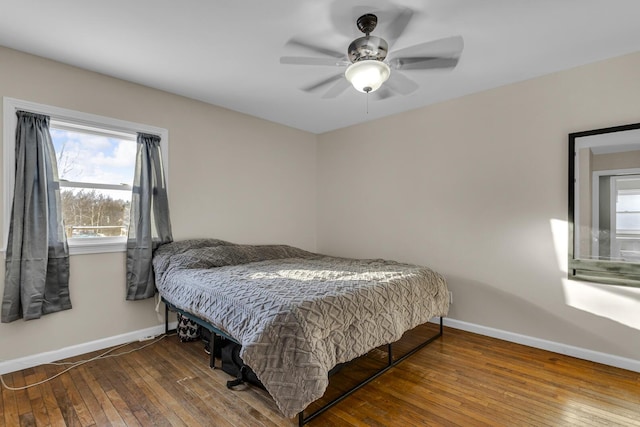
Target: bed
{"points": [[297, 314]]}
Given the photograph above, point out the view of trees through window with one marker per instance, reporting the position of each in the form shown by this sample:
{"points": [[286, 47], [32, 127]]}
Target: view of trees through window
{"points": [[96, 174], [90, 213]]}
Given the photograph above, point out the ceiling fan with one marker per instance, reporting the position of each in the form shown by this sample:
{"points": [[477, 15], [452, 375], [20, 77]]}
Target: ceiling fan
{"points": [[367, 64]]}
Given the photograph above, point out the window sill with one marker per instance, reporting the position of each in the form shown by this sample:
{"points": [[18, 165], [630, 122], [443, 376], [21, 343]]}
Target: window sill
{"points": [[96, 246]]}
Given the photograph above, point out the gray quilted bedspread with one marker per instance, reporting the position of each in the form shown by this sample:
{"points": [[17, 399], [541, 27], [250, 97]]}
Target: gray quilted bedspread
{"points": [[297, 314]]}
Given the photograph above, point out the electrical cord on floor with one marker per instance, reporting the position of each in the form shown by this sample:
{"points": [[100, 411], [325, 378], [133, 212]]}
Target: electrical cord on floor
{"points": [[104, 355]]}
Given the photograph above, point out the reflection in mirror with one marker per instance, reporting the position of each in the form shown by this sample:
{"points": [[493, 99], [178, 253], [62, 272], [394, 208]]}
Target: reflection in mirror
{"points": [[604, 205]]}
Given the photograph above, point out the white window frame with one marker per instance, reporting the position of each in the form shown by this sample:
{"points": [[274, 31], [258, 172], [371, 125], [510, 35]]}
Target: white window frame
{"points": [[595, 200], [616, 237], [79, 119]]}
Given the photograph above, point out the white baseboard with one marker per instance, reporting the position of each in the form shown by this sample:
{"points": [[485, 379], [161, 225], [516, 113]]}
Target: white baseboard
{"points": [[580, 353], [76, 350]]}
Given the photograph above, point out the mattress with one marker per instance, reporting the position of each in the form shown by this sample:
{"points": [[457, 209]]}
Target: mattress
{"points": [[297, 314]]}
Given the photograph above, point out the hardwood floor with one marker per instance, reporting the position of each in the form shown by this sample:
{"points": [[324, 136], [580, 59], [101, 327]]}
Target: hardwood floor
{"points": [[461, 379]]}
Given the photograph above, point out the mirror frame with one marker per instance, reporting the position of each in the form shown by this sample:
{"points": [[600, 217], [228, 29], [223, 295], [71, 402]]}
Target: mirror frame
{"points": [[600, 271]]}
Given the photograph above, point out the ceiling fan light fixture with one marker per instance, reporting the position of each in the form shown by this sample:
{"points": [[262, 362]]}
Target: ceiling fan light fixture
{"points": [[367, 75]]}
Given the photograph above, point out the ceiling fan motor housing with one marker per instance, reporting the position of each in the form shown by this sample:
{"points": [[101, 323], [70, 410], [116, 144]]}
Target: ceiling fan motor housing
{"points": [[368, 47], [367, 23], [367, 71]]}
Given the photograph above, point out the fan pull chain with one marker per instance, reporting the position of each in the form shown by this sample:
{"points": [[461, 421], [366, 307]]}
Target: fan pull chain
{"points": [[368, 102]]}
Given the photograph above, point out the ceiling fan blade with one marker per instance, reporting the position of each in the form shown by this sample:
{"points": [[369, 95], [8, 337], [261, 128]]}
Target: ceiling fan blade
{"points": [[397, 27], [317, 49], [423, 63], [314, 87], [383, 93], [303, 60], [449, 47], [340, 86], [400, 83]]}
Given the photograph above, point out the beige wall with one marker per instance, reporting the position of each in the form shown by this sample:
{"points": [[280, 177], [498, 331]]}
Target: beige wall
{"points": [[231, 176], [477, 189]]}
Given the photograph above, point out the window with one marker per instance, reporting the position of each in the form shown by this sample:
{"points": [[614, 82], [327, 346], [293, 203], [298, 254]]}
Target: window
{"points": [[96, 168], [96, 160], [625, 219]]}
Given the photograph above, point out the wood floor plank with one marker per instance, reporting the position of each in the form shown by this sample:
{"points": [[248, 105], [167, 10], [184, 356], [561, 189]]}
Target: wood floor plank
{"points": [[242, 404], [39, 412], [498, 394], [62, 397], [123, 409], [31, 377], [54, 412], [142, 401], [191, 411], [99, 391], [206, 383], [119, 390], [159, 388], [27, 420], [158, 413], [22, 396], [10, 404], [34, 394], [200, 392], [423, 398], [498, 389], [36, 400], [380, 411], [255, 403], [80, 407], [461, 379], [539, 384], [93, 406], [2, 420]]}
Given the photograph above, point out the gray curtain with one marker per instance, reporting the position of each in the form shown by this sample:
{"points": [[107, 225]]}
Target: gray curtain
{"points": [[149, 225], [37, 260]]}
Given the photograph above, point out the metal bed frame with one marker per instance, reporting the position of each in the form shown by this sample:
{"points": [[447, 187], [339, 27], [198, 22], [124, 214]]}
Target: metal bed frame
{"points": [[302, 419]]}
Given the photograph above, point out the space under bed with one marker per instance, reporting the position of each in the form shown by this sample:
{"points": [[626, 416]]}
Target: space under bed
{"points": [[298, 314]]}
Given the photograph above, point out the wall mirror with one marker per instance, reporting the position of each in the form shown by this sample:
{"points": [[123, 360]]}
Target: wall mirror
{"points": [[604, 205]]}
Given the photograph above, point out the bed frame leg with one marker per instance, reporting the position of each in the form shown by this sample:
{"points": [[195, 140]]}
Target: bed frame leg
{"points": [[166, 319], [212, 350]]}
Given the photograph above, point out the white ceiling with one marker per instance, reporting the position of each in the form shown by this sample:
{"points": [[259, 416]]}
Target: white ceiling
{"points": [[227, 52]]}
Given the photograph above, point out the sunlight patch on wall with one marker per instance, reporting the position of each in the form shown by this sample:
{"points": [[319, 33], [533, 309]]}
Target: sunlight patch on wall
{"points": [[560, 233], [613, 302], [617, 303]]}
